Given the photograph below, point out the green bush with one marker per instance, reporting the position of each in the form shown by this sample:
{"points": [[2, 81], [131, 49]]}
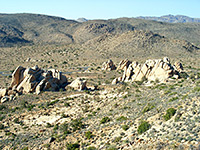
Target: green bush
{"points": [[143, 127], [183, 75], [105, 120], [76, 124], [91, 148], [170, 112], [121, 118], [111, 147], [173, 99], [2, 126], [88, 134], [64, 128], [71, 146], [2, 107], [148, 107], [117, 139], [125, 127]]}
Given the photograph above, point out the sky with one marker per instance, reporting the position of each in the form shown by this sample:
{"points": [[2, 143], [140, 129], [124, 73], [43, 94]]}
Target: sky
{"points": [[102, 9]]}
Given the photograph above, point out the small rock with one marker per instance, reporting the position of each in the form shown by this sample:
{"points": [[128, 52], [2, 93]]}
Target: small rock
{"points": [[79, 84], [5, 99], [3, 92], [50, 140]]}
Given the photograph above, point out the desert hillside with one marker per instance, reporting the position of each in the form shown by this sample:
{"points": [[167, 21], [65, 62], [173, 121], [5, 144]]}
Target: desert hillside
{"points": [[122, 83]]}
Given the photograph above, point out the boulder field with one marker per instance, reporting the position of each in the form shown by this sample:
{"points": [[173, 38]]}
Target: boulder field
{"points": [[152, 70]]}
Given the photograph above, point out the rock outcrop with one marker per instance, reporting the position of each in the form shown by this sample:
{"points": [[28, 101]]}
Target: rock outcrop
{"points": [[108, 65], [35, 79], [123, 65], [151, 70], [79, 84]]}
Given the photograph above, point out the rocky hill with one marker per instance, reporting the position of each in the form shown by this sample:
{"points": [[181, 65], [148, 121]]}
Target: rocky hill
{"points": [[23, 29], [171, 18], [147, 102]]}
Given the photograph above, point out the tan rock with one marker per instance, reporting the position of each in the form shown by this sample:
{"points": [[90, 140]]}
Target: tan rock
{"points": [[79, 84], [40, 86], [115, 81], [17, 76], [123, 65], [178, 66], [158, 69], [5, 99], [166, 60], [28, 84], [108, 65], [3, 92]]}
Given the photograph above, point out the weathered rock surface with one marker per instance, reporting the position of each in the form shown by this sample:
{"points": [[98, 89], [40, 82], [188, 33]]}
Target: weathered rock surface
{"points": [[152, 70], [108, 65], [5, 99], [79, 84], [123, 65], [35, 79], [3, 92]]}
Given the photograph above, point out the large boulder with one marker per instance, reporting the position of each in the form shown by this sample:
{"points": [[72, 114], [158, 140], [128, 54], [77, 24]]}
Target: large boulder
{"points": [[17, 75], [35, 79], [108, 65], [79, 84]]}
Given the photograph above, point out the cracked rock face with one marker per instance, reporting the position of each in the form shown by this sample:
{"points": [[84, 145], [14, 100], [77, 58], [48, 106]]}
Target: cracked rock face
{"points": [[108, 65], [35, 79], [152, 70]]}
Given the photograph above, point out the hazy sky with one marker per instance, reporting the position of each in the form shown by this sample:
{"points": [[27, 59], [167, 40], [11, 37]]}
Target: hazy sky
{"points": [[102, 9]]}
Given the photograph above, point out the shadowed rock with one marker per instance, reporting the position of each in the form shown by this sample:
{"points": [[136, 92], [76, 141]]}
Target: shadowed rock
{"points": [[152, 70], [108, 65]]}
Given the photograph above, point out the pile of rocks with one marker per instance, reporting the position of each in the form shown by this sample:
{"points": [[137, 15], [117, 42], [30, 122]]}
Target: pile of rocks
{"points": [[151, 70], [34, 80], [108, 65]]}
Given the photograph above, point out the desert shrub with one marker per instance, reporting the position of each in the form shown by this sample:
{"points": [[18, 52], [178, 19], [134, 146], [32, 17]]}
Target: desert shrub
{"points": [[121, 118], [117, 139], [170, 112], [111, 147], [125, 127], [16, 120], [52, 102], [2, 107], [24, 148], [148, 107], [74, 146], [88, 134], [64, 128], [173, 99], [91, 148], [1, 118], [143, 127], [183, 75], [76, 124], [196, 89], [2, 126], [142, 81], [105, 120], [48, 125], [56, 127]]}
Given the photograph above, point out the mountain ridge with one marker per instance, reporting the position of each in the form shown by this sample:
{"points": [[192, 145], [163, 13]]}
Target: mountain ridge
{"points": [[23, 29], [171, 18]]}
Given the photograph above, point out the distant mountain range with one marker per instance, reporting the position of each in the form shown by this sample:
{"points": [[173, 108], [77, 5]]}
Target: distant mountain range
{"points": [[26, 29], [171, 18]]}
